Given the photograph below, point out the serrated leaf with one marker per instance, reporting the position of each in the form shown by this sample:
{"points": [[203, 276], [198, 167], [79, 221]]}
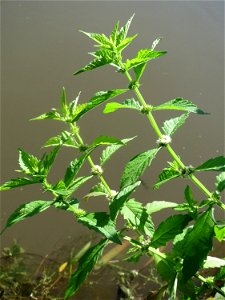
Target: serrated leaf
{"points": [[159, 205], [114, 33], [99, 98], [101, 222], [72, 187], [27, 210], [124, 30], [180, 104], [105, 140], [99, 38], [118, 202], [213, 262], [110, 150], [220, 182], [73, 169], [143, 56], [168, 229], [71, 205], [196, 244], [213, 164], [52, 115], [137, 215], [219, 232], [48, 160], [136, 167], [129, 103], [170, 126], [17, 182], [166, 175], [64, 139], [94, 64], [139, 69], [28, 163], [86, 264], [124, 43]]}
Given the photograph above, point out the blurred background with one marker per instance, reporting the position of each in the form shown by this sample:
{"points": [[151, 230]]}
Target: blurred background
{"points": [[42, 48]]}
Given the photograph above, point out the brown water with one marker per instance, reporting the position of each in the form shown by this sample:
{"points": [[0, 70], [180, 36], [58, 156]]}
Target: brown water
{"points": [[41, 48]]}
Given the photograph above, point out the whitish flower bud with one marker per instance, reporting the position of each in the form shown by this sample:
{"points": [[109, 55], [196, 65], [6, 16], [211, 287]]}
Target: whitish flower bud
{"points": [[112, 194], [97, 170], [164, 140]]}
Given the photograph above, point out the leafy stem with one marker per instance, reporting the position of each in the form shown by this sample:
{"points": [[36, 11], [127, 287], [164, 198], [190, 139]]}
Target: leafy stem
{"points": [[159, 134], [91, 163]]}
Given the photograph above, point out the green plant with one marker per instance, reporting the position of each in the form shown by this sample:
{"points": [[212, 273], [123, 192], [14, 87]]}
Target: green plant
{"points": [[191, 229]]}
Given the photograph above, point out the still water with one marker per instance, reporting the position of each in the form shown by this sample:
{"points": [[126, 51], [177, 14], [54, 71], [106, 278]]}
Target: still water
{"points": [[42, 47]]}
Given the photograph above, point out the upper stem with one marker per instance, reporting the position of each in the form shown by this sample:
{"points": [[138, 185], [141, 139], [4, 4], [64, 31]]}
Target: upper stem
{"points": [[159, 134]]}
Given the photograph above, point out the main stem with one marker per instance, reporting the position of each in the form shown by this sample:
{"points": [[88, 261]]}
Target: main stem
{"points": [[91, 163], [159, 134]]}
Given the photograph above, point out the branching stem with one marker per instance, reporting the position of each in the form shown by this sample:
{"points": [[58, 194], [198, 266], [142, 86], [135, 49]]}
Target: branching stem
{"points": [[91, 163]]}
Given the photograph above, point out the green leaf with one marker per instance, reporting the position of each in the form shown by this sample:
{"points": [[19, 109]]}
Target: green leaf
{"points": [[213, 164], [110, 150], [124, 30], [189, 196], [17, 182], [64, 108], [86, 264], [64, 139], [213, 262], [101, 39], [48, 160], [220, 182], [62, 189], [166, 175], [164, 265], [197, 243], [180, 104], [159, 205], [219, 232], [139, 69], [27, 210], [137, 215], [118, 202], [136, 167], [114, 33], [99, 98], [105, 140], [52, 115], [126, 42], [129, 103], [73, 169], [170, 126], [28, 163], [71, 205], [221, 274], [96, 63], [143, 56], [101, 222], [168, 229]]}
